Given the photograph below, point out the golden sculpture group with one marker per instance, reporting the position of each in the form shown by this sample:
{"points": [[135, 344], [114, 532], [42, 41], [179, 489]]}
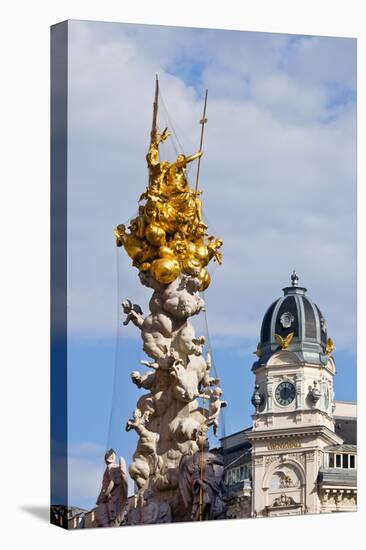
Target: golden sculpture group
{"points": [[168, 236]]}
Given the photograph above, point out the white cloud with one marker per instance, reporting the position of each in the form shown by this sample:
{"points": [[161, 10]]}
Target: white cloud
{"points": [[287, 99], [318, 60], [278, 172], [84, 480], [85, 472]]}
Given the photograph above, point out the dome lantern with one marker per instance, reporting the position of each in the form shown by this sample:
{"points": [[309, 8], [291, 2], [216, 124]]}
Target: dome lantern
{"points": [[293, 322]]}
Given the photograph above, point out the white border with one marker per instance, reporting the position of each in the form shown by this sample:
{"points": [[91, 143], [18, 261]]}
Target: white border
{"points": [[25, 265]]}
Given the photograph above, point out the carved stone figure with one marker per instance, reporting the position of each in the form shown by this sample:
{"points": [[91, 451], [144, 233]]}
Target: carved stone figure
{"points": [[201, 482], [145, 459], [134, 313], [215, 405], [112, 498]]}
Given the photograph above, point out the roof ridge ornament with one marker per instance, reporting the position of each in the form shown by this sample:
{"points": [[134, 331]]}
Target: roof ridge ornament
{"points": [[294, 279]]}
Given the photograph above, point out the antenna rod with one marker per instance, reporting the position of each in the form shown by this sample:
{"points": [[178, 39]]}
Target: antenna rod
{"points": [[203, 122], [155, 111]]}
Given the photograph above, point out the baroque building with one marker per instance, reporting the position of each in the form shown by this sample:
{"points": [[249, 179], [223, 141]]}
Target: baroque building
{"points": [[299, 455]]}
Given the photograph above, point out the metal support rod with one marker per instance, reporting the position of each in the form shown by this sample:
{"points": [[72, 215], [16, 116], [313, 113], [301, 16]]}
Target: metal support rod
{"points": [[155, 111], [203, 122]]}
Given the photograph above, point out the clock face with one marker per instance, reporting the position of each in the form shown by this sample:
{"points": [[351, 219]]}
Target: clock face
{"points": [[285, 393]]}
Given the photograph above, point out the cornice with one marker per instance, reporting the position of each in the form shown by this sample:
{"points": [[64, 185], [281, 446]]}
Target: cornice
{"points": [[301, 431]]}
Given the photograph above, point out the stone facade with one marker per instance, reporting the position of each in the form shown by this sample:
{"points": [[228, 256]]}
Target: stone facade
{"points": [[288, 440]]}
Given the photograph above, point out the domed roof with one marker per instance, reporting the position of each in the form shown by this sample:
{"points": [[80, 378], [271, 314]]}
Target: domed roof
{"points": [[295, 317]]}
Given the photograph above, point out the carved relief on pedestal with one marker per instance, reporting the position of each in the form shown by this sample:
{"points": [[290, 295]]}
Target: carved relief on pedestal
{"points": [[152, 511]]}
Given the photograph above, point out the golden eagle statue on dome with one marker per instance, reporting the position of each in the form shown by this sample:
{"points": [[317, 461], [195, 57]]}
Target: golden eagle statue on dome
{"points": [[168, 236]]}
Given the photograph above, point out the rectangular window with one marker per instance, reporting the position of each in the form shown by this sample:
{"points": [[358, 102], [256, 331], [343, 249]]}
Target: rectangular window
{"points": [[345, 461], [338, 461], [241, 473], [331, 460], [352, 461]]}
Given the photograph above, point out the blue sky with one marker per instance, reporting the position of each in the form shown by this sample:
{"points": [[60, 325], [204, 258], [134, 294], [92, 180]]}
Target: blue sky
{"points": [[279, 185]]}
